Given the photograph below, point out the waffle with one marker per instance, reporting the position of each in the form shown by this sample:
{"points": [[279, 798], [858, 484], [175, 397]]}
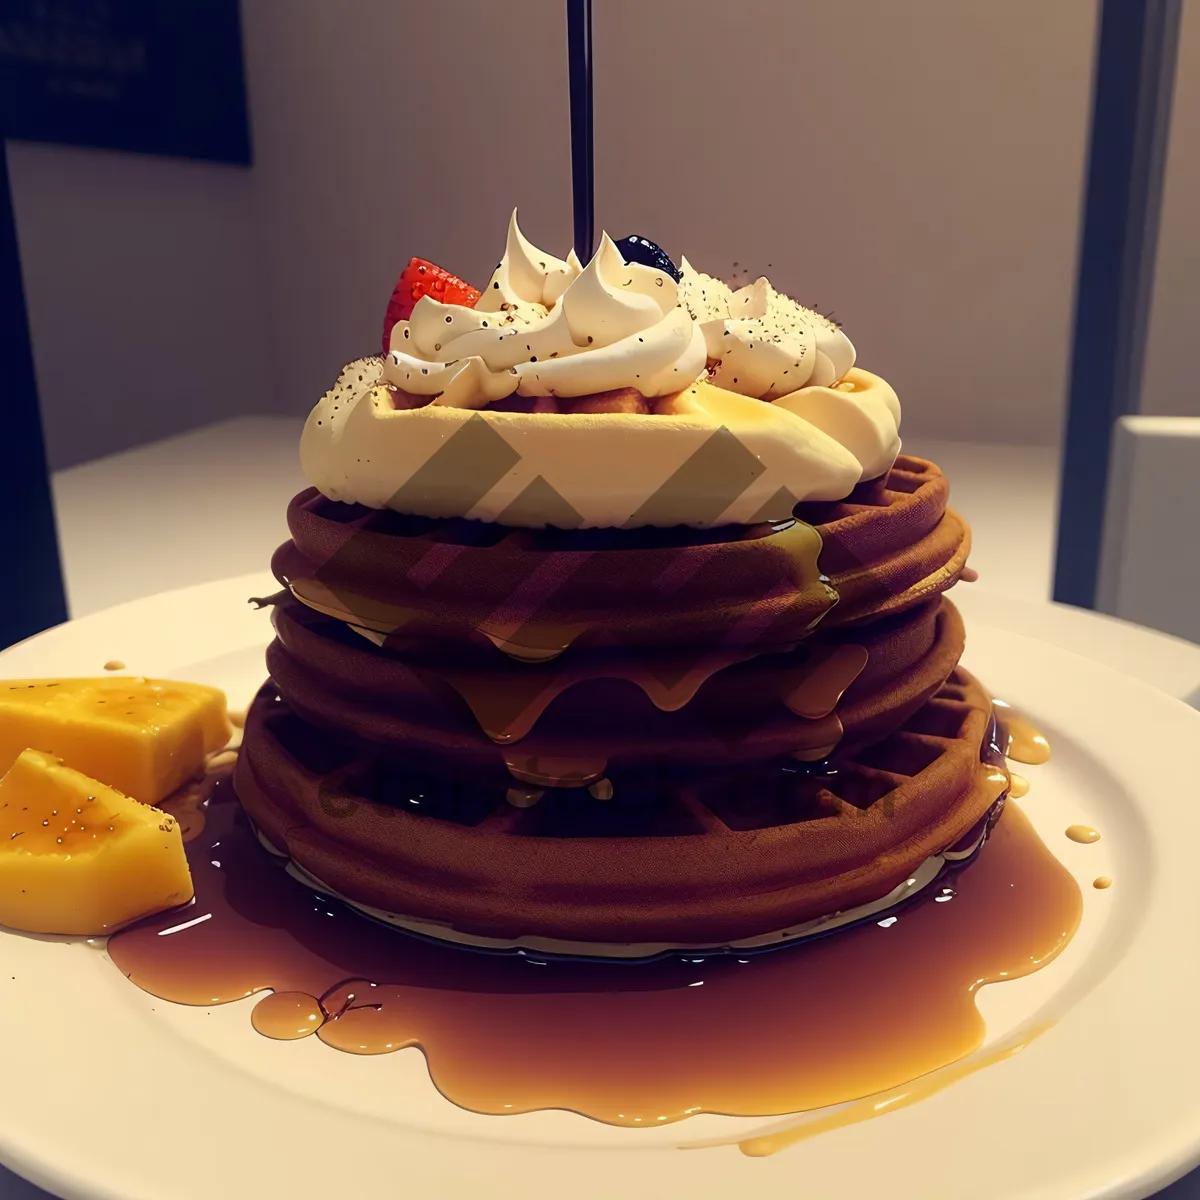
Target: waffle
{"points": [[587, 711], [891, 545], [714, 857]]}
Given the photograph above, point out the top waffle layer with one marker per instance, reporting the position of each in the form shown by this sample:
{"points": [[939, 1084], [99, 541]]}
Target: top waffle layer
{"points": [[888, 546]]}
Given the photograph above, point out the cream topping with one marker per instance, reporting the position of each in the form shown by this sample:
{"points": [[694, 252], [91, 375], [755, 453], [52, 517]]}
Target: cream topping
{"points": [[762, 342], [546, 327], [707, 457], [783, 417]]}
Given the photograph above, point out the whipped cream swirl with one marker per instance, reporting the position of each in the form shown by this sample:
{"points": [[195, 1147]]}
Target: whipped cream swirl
{"points": [[760, 342], [550, 327], [747, 392]]}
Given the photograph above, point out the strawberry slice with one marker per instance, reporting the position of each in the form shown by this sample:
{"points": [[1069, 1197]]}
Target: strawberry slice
{"points": [[421, 278]]}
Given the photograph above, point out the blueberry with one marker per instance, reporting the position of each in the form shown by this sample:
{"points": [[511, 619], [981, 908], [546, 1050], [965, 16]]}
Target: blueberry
{"points": [[643, 250]]}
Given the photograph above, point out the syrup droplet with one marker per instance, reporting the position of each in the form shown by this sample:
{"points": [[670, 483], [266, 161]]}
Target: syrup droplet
{"points": [[1025, 743], [1019, 786], [816, 688], [523, 797], [602, 789], [287, 1016], [1101, 882], [1083, 833]]}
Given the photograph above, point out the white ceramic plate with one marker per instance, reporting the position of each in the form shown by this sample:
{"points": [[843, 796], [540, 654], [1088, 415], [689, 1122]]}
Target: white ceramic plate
{"points": [[108, 1092]]}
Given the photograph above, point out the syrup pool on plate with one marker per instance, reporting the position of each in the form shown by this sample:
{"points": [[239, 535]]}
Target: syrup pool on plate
{"points": [[840, 1017]]}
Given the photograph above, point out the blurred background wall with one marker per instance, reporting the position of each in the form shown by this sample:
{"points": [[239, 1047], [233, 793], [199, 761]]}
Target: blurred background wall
{"points": [[356, 171], [144, 285], [915, 168]]}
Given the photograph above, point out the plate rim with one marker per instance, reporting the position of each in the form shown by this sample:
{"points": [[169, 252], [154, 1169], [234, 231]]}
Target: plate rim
{"points": [[1176, 1150]]}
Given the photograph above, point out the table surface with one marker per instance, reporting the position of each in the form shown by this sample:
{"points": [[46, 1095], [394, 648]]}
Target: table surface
{"points": [[210, 504]]}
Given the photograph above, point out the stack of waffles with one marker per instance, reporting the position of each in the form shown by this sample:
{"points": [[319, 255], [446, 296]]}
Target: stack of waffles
{"points": [[596, 738]]}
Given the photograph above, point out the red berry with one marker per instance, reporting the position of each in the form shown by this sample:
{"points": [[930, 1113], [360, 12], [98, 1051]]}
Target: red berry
{"points": [[421, 278]]}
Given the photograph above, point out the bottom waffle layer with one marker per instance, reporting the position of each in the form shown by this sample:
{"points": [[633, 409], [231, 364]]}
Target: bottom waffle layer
{"points": [[682, 858]]}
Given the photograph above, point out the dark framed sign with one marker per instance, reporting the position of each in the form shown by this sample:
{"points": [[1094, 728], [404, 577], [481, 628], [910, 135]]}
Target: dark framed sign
{"points": [[153, 76]]}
